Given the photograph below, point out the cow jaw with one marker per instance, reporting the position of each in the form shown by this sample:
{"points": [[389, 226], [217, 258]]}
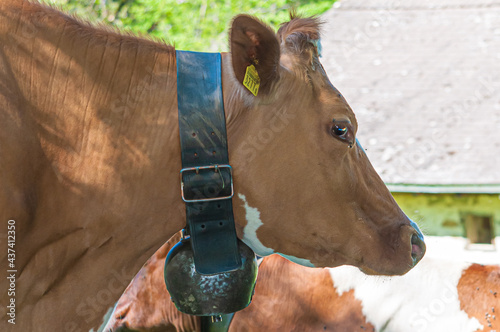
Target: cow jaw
{"points": [[252, 216]]}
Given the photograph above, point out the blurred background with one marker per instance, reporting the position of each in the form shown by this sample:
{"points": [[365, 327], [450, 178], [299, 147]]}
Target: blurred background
{"points": [[195, 25]]}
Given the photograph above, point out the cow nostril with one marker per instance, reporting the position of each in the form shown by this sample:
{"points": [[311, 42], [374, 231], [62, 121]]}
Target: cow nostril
{"points": [[414, 239], [417, 248]]}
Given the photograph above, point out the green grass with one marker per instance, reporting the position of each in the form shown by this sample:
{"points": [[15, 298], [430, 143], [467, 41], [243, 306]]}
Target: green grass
{"points": [[199, 25]]}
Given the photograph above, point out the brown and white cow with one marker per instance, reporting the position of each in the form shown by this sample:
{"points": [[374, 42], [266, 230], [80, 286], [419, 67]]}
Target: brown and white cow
{"points": [[439, 295], [89, 148]]}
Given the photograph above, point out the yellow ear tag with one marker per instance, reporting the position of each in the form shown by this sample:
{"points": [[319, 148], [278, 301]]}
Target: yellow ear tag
{"points": [[252, 80]]}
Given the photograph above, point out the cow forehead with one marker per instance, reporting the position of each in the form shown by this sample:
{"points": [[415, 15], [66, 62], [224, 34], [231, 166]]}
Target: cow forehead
{"points": [[425, 299], [331, 103], [324, 93]]}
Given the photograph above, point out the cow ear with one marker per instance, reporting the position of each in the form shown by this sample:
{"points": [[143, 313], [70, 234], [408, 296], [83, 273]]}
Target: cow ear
{"points": [[254, 43]]}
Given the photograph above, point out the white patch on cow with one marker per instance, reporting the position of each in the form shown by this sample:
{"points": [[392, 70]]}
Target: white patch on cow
{"points": [[423, 300], [300, 261], [250, 238], [250, 235]]}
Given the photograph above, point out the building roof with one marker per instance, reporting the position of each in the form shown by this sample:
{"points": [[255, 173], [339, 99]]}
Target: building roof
{"points": [[423, 78]]}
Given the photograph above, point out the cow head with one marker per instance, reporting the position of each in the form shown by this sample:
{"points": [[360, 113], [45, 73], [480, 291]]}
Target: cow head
{"points": [[304, 186]]}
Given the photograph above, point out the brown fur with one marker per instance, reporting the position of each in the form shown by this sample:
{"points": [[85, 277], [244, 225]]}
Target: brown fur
{"points": [[299, 31], [479, 294], [86, 134], [298, 37], [90, 159]]}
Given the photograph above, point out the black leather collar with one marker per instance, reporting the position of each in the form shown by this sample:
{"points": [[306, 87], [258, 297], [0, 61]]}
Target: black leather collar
{"points": [[206, 177]]}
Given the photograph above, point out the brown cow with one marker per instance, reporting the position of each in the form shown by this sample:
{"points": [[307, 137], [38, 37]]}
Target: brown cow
{"points": [[90, 161], [438, 295]]}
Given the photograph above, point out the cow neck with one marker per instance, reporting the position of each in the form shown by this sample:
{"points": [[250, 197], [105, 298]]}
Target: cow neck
{"points": [[206, 177]]}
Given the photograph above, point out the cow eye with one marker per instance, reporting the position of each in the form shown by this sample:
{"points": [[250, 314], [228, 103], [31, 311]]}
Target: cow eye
{"points": [[343, 131], [339, 129]]}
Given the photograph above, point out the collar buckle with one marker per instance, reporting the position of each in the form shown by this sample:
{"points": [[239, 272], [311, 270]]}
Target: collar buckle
{"points": [[205, 185]]}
